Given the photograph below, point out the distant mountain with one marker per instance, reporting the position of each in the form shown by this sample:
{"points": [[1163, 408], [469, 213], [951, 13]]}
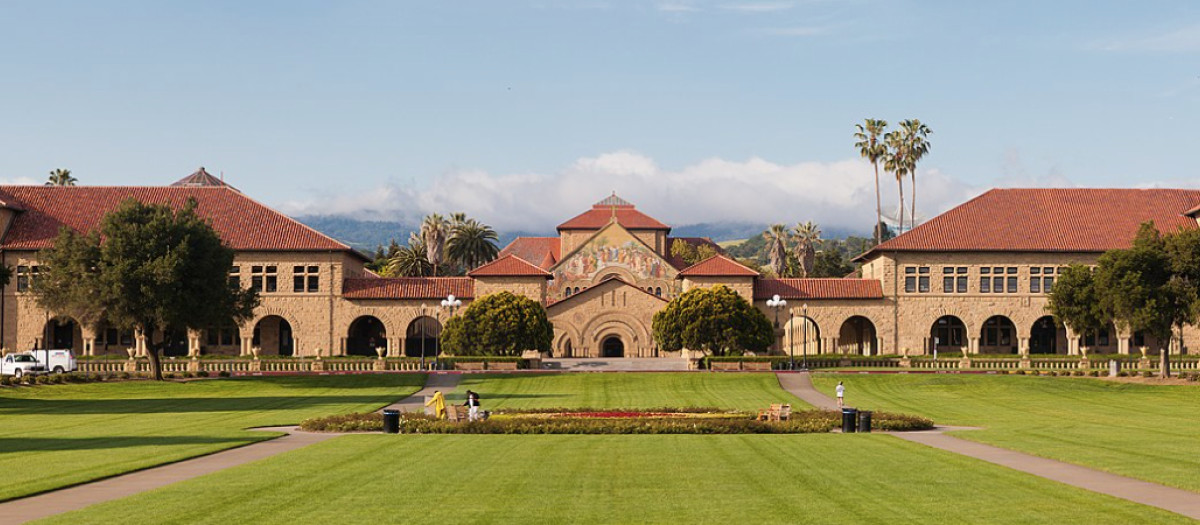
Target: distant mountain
{"points": [[728, 231]]}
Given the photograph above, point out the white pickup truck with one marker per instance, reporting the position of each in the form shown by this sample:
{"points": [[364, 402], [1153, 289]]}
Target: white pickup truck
{"points": [[20, 364], [57, 361]]}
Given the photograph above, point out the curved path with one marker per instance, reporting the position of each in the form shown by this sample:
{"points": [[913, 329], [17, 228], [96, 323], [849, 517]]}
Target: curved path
{"points": [[74, 498], [1167, 498]]}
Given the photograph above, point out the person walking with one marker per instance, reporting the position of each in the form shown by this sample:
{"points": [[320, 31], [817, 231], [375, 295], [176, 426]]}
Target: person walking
{"points": [[841, 394], [472, 406], [438, 402]]}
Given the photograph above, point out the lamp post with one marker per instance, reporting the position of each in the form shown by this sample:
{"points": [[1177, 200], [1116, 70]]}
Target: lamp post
{"points": [[775, 302], [804, 308], [450, 303]]}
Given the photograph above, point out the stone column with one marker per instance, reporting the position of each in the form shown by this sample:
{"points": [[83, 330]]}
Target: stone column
{"points": [[139, 343], [89, 346], [247, 342], [972, 345], [1023, 346]]}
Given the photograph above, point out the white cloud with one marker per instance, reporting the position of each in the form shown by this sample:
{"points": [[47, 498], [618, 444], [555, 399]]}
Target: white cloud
{"points": [[21, 181], [1183, 40], [835, 194], [761, 7]]}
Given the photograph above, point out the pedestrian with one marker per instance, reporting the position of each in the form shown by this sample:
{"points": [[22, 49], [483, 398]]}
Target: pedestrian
{"points": [[472, 405], [438, 402], [841, 393]]}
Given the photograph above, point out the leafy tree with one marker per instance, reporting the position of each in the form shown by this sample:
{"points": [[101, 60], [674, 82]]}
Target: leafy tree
{"points": [[691, 253], [897, 162], [409, 261], [499, 324], [148, 267], [831, 263], [393, 249], [434, 230], [914, 136], [1075, 301], [871, 147], [807, 235], [61, 177], [777, 241], [714, 319], [471, 243]]}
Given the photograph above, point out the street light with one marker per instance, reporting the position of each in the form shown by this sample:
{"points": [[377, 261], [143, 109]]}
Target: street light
{"points": [[450, 303], [804, 307], [776, 303]]}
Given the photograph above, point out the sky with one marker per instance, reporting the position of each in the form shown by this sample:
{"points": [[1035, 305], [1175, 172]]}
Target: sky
{"points": [[523, 113]]}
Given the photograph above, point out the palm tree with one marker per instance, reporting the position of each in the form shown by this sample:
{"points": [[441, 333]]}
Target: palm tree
{"points": [[434, 230], [808, 235], [914, 134], [409, 261], [896, 161], [873, 149], [61, 177], [471, 243], [776, 237]]}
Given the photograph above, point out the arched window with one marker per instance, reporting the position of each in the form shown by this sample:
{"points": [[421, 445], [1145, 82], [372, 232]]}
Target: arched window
{"points": [[658, 292], [567, 293]]}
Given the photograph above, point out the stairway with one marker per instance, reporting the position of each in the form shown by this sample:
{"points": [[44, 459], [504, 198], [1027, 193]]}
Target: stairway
{"points": [[616, 364]]}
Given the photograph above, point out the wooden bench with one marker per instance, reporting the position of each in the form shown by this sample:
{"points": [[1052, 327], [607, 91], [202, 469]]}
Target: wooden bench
{"points": [[725, 365], [758, 366], [468, 365], [777, 412], [502, 365]]}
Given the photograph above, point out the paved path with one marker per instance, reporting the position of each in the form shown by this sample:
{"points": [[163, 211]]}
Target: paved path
{"points": [[416, 402], [616, 364], [1167, 498], [78, 497]]}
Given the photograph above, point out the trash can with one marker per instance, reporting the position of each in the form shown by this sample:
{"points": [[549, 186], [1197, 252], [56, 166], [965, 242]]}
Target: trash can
{"points": [[864, 421], [391, 421], [849, 418]]}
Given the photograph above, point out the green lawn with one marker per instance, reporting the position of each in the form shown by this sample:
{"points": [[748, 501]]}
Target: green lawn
{"points": [[626, 390], [1142, 431], [825, 479], [54, 436]]}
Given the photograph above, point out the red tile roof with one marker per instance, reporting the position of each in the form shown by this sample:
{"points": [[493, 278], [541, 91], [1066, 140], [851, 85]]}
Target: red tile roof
{"points": [[602, 213], [509, 266], [408, 288], [242, 222], [718, 266], [1048, 220], [800, 289], [534, 249], [200, 178]]}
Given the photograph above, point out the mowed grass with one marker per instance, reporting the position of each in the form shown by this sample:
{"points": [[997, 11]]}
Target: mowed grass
{"points": [[55, 436], [822, 479], [627, 390], [1143, 431]]}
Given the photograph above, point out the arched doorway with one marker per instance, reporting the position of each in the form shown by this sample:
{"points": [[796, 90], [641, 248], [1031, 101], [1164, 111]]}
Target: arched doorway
{"points": [[422, 337], [948, 334], [1045, 335], [612, 347], [273, 336], [62, 333], [1102, 341], [566, 349], [998, 336], [366, 334], [175, 342], [857, 336], [801, 337]]}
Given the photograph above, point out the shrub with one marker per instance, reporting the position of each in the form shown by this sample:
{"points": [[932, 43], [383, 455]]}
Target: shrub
{"points": [[716, 319], [502, 324], [1194, 376], [1077, 373], [223, 373], [202, 373], [6, 380], [1122, 373], [1147, 373], [1094, 373], [169, 375]]}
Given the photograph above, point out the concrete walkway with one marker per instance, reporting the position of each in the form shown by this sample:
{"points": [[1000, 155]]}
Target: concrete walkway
{"points": [[1167, 498], [80, 496]]}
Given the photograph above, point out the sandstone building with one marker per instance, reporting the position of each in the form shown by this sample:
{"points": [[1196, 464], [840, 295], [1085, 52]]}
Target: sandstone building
{"points": [[973, 279]]}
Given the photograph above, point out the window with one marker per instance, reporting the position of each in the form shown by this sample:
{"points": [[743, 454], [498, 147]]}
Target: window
{"points": [[1012, 285], [1035, 270], [1047, 284], [948, 284], [985, 284], [222, 336], [1012, 270], [985, 271], [962, 284], [997, 285], [264, 278], [918, 283], [235, 276], [305, 279], [910, 284], [1103, 337], [658, 291], [1035, 284], [22, 278], [951, 283]]}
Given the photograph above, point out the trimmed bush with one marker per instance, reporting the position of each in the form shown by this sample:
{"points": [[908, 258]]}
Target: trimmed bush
{"points": [[223, 373], [503, 324]]}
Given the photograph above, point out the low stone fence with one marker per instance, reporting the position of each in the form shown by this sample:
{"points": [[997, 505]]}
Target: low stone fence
{"points": [[254, 366], [1178, 363]]}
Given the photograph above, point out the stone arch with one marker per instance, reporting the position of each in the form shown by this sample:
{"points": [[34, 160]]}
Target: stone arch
{"points": [[566, 342], [364, 335], [422, 337], [1047, 337], [1103, 341], [948, 333], [62, 332], [612, 346], [998, 335], [268, 312], [636, 336], [802, 336], [858, 336], [274, 335], [610, 271]]}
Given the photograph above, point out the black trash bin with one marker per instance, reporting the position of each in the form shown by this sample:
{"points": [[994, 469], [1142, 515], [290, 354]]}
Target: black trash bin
{"points": [[864, 421], [849, 419], [391, 421]]}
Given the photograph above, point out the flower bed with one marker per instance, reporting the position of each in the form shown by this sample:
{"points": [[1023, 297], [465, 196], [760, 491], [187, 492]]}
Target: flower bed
{"points": [[620, 421]]}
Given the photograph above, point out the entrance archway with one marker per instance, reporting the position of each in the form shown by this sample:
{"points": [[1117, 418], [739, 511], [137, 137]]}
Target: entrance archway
{"points": [[366, 334], [857, 336], [998, 336], [273, 336], [62, 333], [1044, 337], [422, 337], [801, 337], [612, 347], [175, 342], [948, 334]]}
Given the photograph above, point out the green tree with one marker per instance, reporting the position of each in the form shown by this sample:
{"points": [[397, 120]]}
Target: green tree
{"points": [[777, 251], [896, 161], [150, 268], [831, 263], [471, 243], [714, 319], [1075, 301], [914, 136], [409, 261], [61, 177], [434, 230], [807, 235], [499, 324], [871, 147]]}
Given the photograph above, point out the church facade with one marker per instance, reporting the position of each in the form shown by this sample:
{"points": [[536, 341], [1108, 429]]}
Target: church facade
{"points": [[973, 279]]}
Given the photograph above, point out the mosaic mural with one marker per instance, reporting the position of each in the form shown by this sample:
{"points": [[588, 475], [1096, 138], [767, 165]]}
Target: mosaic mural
{"points": [[613, 247]]}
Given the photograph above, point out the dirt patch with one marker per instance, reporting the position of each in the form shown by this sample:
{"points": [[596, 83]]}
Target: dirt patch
{"points": [[1174, 381]]}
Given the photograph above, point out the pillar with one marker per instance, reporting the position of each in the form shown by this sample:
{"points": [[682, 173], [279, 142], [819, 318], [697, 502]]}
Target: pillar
{"points": [[247, 342], [1023, 346], [1123, 345], [879, 346], [89, 346], [972, 345], [139, 343]]}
